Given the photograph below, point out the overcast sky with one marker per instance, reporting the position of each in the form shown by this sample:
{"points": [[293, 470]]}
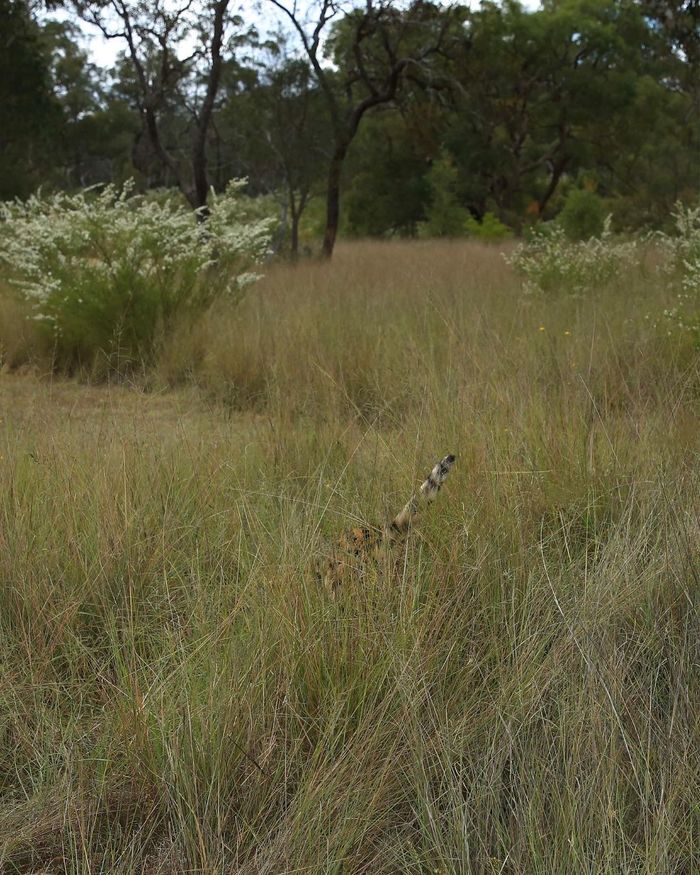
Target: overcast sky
{"points": [[103, 52]]}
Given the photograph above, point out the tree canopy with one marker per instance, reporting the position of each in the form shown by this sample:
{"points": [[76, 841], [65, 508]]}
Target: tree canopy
{"points": [[417, 118]]}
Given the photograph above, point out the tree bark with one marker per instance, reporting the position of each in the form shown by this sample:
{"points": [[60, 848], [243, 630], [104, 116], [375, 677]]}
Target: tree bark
{"points": [[199, 178], [294, 239], [295, 212], [557, 172], [335, 172], [199, 149]]}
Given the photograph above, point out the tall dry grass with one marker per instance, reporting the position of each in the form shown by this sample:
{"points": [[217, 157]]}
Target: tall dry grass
{"points": [[21, 346], [519, 694]]}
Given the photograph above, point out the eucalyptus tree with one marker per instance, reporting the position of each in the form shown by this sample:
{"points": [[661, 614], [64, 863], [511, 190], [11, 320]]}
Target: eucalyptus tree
{"points": [[86, 143], [543, 95], [274, 129], [176, 51], [294, 126], [361, 56]]}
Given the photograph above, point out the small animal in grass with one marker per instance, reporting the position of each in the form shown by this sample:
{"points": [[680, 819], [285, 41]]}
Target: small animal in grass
{"points": [[356, 546]]}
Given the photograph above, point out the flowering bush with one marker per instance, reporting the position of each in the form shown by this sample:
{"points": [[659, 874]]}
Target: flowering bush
{"points": [[107, 271], [551, 263], [682, 248], [681, 267]]}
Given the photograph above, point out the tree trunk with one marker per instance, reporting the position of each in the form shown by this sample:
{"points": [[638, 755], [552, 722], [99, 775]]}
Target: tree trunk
{"points": [[333, 199], [199, 175], [294, 235], [280, 235], [557, 172]]}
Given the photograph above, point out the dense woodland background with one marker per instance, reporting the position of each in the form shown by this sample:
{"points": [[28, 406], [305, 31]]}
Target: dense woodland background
{"points": [[419, 119]]}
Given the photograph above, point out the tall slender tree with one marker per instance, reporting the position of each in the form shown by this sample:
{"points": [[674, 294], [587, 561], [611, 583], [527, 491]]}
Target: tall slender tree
{"points": [[156, 38], [373, 48]]}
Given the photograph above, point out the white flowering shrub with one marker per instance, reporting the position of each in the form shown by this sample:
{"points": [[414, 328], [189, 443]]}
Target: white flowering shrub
{"points": [[107, 271], [551, 263], [681, 267]]}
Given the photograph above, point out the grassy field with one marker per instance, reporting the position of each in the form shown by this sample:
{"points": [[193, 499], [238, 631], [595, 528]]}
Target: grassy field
{"points": [[518, 693]]}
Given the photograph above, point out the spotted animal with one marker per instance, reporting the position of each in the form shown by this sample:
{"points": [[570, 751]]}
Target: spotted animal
{"points": [[359, 545]]}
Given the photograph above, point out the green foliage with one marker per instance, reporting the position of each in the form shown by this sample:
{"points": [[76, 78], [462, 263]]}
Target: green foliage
{"points": [[583, 215], [602, 94], [389, 189], [29, 114], [288, 157], [98, 128], [609, 93], [445, 215], [107, 272], [489, 229]]}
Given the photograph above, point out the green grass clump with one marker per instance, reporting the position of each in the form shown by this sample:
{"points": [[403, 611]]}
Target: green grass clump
{"points": [[517, 693]]}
